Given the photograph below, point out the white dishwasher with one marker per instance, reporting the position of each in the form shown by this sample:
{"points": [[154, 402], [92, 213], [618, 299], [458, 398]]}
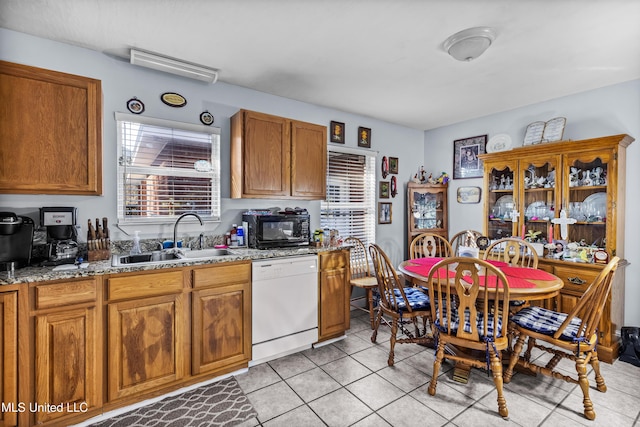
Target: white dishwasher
{"points": [[284, 305]]}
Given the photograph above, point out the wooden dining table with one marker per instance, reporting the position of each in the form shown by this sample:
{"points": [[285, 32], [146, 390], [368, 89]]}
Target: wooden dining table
{"points": [[525, 284]]}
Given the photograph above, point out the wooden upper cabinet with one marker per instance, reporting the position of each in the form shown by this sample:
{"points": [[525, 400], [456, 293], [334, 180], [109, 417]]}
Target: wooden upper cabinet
{"points": [[275, 157], [51, 133], [308, 160]]}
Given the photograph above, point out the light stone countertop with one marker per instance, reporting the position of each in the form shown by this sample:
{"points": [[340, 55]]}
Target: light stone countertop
{"points": [[96, 268]]}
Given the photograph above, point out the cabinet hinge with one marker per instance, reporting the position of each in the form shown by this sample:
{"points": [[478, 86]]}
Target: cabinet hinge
{"points": [[615, 156]]}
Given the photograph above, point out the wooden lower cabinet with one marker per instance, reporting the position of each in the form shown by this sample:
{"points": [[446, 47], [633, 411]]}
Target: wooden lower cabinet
{"points": [[577, 278], [146, 334], [221, 318], [334, 294], [8, 362], [67, 350], [92, 345]]}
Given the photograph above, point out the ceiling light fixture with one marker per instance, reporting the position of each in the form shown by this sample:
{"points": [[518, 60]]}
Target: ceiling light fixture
{"points": [[173, 66], [469, 44]]}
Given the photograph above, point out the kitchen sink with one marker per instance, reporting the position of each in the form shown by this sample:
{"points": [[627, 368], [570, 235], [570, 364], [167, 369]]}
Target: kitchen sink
{"points": [[205, 253], [163, 257]]}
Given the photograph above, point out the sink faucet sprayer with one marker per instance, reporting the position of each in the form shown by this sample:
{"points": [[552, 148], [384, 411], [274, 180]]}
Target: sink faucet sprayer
{"points": [[175, 227]]}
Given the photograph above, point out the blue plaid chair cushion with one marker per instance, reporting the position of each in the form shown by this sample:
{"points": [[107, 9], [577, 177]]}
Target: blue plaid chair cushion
{"points": [[418, 300], [455, 324], [546, 322]]}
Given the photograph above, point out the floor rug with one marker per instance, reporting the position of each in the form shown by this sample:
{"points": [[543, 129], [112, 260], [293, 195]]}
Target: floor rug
{"points": [[222, 403]]}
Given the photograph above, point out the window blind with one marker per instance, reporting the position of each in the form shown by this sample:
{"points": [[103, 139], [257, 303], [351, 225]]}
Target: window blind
{"points": [[165, 169], [350, 203]]}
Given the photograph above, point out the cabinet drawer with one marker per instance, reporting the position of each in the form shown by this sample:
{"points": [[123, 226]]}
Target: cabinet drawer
{"points": [[331, 260], [576, 279], [61, 294], [221, 275], [144, 285]]}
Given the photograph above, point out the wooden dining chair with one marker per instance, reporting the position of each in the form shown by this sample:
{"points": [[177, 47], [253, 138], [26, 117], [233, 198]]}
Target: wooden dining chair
{"points": [[464, 238], [515, 252], [401, 304], [571, 336], [468, 313], [361, 276], [429, 245]]}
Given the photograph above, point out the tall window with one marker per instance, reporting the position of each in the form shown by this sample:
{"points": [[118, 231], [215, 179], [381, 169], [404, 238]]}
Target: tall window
{"points": [[350, 204], [165, 169]]}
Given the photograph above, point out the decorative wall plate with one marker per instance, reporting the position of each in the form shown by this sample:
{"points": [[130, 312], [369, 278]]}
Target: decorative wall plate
{"points": [[206, 118], [500, 142], [135, 105], [385, 167], [173, 99], [394, 187]]}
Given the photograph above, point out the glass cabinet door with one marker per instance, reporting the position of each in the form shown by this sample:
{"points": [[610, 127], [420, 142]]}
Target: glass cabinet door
{"points": [[501, 203], [587, 200], [540, 197], [427, 213]]}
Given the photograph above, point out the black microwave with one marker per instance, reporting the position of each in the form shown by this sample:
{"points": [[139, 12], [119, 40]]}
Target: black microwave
{"points": [[277, 230]]}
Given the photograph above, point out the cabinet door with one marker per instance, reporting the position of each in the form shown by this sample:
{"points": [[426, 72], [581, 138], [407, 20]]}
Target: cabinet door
{"points": [[9, 353], [146, 344], [49, 118], [334, 294], [308, 160], [539, 196], [66, 365], [501, 188], [221, 334], [266, 156], [590, 178]]}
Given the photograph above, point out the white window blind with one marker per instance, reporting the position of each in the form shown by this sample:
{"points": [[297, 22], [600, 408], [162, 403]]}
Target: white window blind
{"points": [[350, 204], [165, 169]]}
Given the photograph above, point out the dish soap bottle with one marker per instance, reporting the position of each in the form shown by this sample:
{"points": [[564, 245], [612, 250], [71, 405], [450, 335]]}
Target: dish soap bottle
{"points": [[135, 249]]}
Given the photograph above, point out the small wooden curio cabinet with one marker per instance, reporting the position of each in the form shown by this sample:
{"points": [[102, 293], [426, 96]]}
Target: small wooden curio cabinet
{"points": [[427, 210]]}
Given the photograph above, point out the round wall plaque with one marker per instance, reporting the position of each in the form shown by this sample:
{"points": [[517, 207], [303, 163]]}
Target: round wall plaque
{"points": [[173, 99]]}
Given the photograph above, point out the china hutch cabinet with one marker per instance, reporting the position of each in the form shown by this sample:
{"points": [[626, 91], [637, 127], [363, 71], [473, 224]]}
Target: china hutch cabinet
{"points": [[529, 192], [427, 210]]}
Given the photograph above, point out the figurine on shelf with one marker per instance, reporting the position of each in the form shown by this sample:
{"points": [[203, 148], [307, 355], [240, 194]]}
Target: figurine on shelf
{"points": [[502, 181], [574, 177], [586, 178], [443, 178]]}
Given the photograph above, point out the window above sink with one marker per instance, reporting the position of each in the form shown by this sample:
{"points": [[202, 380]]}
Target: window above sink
{"points": [[166, 168]]}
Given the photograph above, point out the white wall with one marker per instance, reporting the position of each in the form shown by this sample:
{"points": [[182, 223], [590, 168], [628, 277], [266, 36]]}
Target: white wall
{"points": [[122, 81], [607, 111]]}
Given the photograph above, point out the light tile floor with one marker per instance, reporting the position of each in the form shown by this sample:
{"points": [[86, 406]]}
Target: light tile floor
{"points": [[348, 383]]}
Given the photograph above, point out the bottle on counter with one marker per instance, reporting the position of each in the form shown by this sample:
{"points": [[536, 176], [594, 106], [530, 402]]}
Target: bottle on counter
{"points": [[135, 249], [240, 234], [234, 235], [227, 238]]}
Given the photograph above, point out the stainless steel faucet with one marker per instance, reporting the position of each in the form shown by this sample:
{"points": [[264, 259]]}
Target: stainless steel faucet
{"points": [[175, 227]]}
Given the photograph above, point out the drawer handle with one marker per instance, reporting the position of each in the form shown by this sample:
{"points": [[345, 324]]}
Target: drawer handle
{"points": [[576, 280]]}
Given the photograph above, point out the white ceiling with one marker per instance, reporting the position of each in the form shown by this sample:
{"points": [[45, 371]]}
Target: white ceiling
{"points": [[378, 58]]}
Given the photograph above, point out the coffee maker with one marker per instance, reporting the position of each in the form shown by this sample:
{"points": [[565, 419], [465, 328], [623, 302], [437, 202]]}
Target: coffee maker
{"points": [[62, 238], [16, 239]]}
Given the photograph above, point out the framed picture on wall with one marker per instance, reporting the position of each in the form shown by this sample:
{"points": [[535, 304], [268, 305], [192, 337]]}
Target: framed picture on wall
{"points": [[384, 189], [466, 163], [393, 165], [337, 132], [364, 137], [384, 212]]}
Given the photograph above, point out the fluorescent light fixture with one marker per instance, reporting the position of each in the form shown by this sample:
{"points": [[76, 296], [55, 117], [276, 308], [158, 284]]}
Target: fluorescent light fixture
{"points": [[468, 44], [173, 66]]}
